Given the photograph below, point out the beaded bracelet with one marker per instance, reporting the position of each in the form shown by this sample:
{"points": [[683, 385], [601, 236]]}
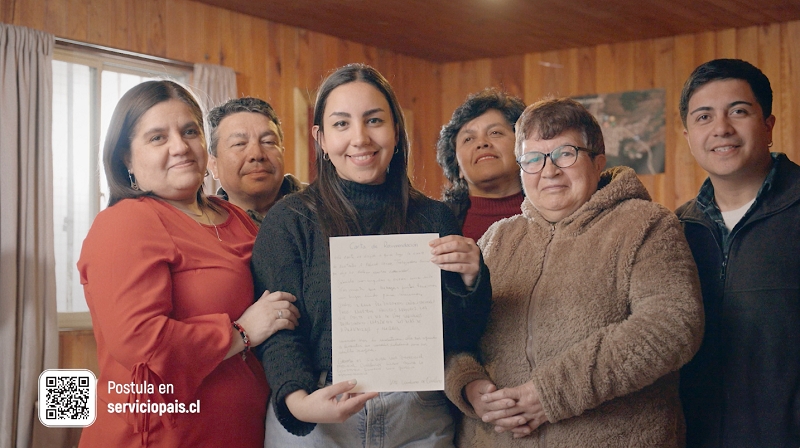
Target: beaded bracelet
{"points": [[245, 339]]}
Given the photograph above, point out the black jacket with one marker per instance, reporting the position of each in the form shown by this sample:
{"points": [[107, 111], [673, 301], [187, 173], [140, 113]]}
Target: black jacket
{"points": [[743, 386]]}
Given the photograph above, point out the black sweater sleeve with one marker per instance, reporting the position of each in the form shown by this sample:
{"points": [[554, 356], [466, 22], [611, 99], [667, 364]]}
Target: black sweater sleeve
{"points": [[277, 264], [465, 311]]}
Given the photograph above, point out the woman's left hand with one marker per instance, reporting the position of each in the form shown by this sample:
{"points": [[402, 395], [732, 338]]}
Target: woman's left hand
{"points": [[456, 253], [523, 418]]}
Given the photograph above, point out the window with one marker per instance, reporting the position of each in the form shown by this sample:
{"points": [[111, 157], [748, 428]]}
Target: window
{"points": [[86, 88]]}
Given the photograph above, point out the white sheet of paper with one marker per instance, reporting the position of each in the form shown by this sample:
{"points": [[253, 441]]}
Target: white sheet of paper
{"points": [[386, 305]]}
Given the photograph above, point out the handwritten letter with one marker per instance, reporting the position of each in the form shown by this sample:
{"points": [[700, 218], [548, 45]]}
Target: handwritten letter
{"points": [[386, 304]]}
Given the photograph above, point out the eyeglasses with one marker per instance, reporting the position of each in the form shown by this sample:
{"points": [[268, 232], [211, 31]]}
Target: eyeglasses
{"points": [[564, 156]]}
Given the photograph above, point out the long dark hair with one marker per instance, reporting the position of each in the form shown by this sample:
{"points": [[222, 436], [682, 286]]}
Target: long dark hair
{"points": [[337, 215], [130, 109]]}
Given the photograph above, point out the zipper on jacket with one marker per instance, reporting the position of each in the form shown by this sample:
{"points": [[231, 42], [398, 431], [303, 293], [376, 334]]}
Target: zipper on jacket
{"points": [[723, 268], [529, 327], [542, 439]]}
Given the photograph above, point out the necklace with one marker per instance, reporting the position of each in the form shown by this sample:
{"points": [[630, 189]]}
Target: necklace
{"points": [[212, 223], [202, 214]]}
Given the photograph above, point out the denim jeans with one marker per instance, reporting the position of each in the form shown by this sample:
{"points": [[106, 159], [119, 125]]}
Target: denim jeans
{"points": [[392, 419]]}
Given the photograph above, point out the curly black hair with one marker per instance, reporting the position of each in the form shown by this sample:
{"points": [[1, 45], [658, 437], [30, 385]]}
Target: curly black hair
{"points": [[476, 105]]}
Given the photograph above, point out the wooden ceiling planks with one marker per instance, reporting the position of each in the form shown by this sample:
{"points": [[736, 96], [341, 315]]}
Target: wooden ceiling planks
{"points": [[450, 30]]}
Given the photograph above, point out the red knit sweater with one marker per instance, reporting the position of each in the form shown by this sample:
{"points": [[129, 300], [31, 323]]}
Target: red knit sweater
{"points": [[483, 212]]}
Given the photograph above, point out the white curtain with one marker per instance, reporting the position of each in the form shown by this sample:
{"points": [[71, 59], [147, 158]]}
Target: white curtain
{"points": [[28, 320], [214, 85]]}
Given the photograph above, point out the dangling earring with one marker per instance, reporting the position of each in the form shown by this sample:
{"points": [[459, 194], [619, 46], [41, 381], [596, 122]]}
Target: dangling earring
{"points": [[770, 145], [396, 149], [325, 156], [134, 185], [207, 173]]}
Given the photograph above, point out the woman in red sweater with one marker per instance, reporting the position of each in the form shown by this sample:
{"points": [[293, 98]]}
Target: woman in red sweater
{"points": [[166, 274]]}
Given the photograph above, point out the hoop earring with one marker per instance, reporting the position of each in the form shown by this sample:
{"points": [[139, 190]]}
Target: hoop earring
{"points": [[396, 149], [132, 178], [770, 145], [325, 156], [207, 173]]}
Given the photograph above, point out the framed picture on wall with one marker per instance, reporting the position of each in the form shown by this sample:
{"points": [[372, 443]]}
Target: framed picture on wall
{"points": [[633, 126]]}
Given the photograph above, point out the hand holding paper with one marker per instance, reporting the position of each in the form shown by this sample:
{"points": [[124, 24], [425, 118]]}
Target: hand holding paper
{"points": [[456, 253], [323, 406], [386, 313]]}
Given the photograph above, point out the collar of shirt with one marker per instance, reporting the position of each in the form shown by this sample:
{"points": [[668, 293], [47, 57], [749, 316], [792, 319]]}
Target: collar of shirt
{"points": [[706, 202]]}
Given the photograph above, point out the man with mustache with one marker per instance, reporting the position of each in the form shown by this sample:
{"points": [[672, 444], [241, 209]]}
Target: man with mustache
{"points": [[247, 155], [743, 386], [476, 152]]}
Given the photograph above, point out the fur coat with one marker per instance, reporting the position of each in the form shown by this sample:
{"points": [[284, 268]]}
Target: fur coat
{"points": [[599, 310]]}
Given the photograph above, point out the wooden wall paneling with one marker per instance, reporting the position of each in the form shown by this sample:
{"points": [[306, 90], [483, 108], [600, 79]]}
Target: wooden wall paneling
{"points": [[418, 91], [509, 74], [77, 25], [119, 16], [390, 66], [177, 31], [357, 52], [605, 81], [686, 180], [242, 59], [98, 23], [370, 55], [288, 52], [226, 22], [310, 48], [747, 44], [586, 67], [478, 77], [569, 63], [725, 44], [641, 57], [769, 61], [137, 26], [255, 51], [625, 67], [302, 136], [209, 39], [555, 79], [155, 37], [205, 35], [274, 66], [705, 47], [330, 54], [77, 350], [664, 188], [460, 79], [451, 95], [55, 17], [7, 11], [30, 13], [787, 116], [533, 78]]}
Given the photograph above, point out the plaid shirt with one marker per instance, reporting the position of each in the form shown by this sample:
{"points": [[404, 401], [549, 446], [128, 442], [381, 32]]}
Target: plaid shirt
{"points": [[706, 203]]}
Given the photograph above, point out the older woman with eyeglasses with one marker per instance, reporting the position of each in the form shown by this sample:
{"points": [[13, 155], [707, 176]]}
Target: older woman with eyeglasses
{"points": [[596, 303]]}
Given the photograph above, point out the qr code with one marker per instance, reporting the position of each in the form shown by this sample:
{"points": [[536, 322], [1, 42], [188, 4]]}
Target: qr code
{"points": [[67, 397]]}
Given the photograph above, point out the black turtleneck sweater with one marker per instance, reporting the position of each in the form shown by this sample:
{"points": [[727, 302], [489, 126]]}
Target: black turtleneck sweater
{"points": [[291, 255]]}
